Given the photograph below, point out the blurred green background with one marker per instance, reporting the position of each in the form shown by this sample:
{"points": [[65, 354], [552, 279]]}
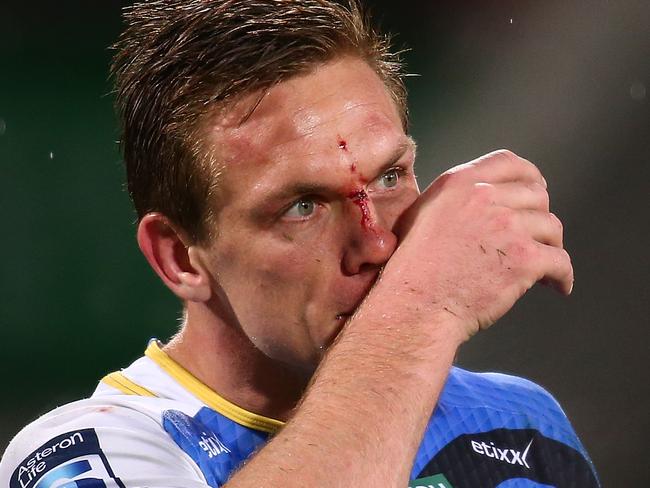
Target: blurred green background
{"points": [[561, 83]]}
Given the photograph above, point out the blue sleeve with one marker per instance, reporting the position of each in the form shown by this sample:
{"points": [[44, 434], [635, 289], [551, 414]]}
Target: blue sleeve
{"points": [[490, 429]]}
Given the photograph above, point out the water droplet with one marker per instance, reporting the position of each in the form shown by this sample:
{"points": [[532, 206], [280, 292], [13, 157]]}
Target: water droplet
{"points": [[637, 90], [511, 21], [51, 155], [3, 127]]}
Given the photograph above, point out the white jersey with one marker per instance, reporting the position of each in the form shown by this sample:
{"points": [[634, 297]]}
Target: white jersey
{"points": [[135, 431]]}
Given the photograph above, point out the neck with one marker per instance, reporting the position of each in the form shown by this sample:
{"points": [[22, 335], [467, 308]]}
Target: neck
{"points": [[221, 356]]}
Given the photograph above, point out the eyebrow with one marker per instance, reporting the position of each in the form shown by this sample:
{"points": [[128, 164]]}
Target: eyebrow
{"points": [[299, 188], [407, 143]]}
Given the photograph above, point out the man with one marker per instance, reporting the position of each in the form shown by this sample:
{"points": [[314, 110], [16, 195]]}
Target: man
{"points": [[325, 298]]}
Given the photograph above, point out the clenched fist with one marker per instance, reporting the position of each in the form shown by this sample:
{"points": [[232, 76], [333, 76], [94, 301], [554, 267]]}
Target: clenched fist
{"points": [[475, 241]]}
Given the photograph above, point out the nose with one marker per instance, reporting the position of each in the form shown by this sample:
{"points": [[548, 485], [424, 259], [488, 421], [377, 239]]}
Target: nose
{"points": [[370, 242]]}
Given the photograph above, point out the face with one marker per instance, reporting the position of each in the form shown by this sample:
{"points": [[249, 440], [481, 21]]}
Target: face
{"points": [[312, 186]]}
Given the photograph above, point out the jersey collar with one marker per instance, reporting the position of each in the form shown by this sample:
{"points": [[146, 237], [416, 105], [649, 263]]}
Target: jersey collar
{"points": [[208, 396]]}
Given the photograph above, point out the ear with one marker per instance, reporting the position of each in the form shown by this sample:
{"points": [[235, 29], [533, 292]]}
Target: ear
{"points": [[172, 259]]}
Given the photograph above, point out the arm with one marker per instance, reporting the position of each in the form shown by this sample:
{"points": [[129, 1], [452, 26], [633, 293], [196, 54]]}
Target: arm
{"points": [[476, 240]]}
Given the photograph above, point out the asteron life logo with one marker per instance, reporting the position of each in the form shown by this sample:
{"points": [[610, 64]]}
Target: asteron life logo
{"points": [[510, 456]]}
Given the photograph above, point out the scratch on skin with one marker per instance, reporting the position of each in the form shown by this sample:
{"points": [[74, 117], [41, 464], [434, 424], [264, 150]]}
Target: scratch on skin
{"points": [[501, 253], [448, 310], [482, 248]]}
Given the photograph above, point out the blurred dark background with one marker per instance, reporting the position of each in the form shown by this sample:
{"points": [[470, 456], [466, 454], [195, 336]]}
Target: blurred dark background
{"points": [[562, 83]]}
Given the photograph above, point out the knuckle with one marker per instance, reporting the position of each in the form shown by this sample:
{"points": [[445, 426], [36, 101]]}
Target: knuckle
{"points": [[565, 257], [451, 176], [523, 251], [505, 153], [565, 265], [482, 193], [557, 223], [536, 170], [496, 156], [540, 194], [460, 175], [532, 166], [544, 198]]}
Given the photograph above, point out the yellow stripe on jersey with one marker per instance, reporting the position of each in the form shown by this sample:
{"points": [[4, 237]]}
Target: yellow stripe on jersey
{"points": [[120, 382], [209, 396]]}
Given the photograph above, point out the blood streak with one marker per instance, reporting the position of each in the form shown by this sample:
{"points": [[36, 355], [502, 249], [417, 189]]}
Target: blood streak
{"points": [[353, 168], [360, 199]]}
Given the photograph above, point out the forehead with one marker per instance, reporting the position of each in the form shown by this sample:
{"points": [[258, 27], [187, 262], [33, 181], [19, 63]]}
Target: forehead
{"points": [[299, 123]]}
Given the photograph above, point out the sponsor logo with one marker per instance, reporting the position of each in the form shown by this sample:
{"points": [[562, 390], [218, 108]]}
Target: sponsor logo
{"points": [[500, 455], [510, 456], [436, 481], [212, 445], [70, 460], [34, 466]]}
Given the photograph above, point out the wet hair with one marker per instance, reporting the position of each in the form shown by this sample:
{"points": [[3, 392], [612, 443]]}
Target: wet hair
{"points": [[179, 60]]}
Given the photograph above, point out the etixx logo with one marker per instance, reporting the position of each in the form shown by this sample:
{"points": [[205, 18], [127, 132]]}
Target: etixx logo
{"points": [[505, 454]]}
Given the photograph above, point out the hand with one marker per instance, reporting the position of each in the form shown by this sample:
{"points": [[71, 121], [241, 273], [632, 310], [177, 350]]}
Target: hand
{"points": [[475, 241]]}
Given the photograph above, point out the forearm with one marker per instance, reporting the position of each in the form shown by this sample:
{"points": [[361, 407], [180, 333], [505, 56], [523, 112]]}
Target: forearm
{"points": [[363, 416]]}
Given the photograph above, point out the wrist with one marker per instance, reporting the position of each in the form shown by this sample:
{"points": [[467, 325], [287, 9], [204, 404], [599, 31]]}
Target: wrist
{"points": [[397, 303]]}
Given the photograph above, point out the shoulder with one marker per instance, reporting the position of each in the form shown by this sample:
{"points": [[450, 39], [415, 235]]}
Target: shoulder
{"points": [[505, 427], [116, 439], [502, 390], [498, 400]]}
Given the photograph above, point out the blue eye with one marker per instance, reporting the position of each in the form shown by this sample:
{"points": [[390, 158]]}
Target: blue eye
{"points": [[390, 178], [301, 209]]}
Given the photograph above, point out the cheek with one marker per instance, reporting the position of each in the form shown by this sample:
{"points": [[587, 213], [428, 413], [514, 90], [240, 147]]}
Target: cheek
{"points": [[281, 268], [272, 263]]}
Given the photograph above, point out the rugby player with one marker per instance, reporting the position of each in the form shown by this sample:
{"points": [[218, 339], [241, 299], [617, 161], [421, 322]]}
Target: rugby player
{"points": [[325, 297]]}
